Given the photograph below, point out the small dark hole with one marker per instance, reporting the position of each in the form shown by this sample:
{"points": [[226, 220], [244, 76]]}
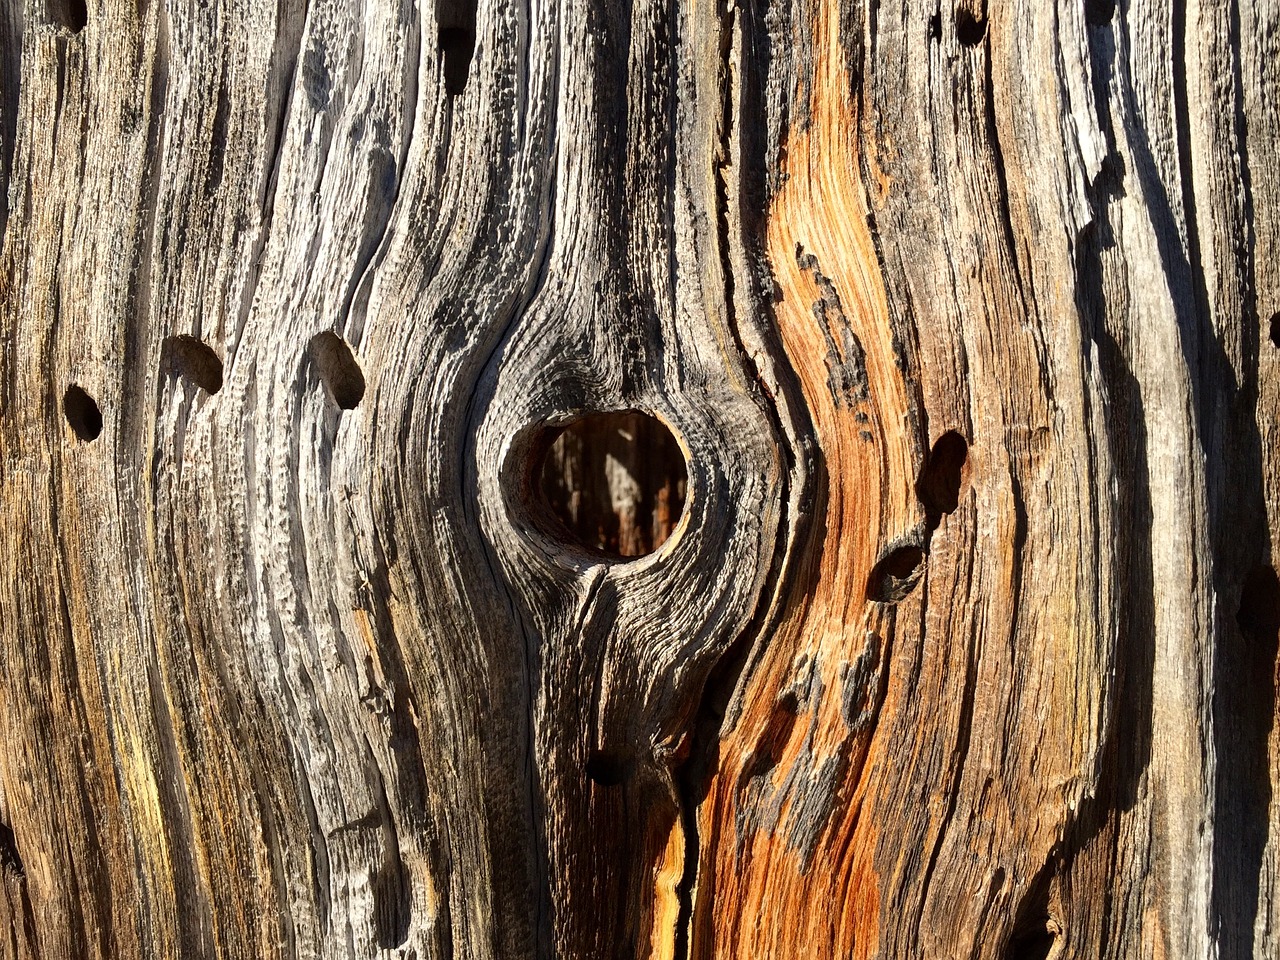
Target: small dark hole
{"points": [[457, 47], [1036, 943], [970, 29], [82, 413], [935, 27], [338, 369], [73, 15], [614, 482], [607, 769], [195, 360], [896, 574], [10, 858], [938, 485], [1098, 13], [1275, 329]]}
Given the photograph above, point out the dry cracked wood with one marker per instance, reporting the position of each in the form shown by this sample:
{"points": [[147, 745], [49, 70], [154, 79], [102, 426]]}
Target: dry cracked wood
{"points": [[964, 320]]}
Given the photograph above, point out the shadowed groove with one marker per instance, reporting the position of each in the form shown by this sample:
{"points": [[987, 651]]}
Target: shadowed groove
{"points": [[456, 22], [971, 28]]}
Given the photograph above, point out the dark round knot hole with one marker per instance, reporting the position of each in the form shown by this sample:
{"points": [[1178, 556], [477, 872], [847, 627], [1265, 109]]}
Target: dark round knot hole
{"points": [[612, 482], [939, 483]]}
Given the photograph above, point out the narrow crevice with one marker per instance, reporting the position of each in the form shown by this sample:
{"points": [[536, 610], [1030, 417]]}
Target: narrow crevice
{"points": [[194, 360], [1274, 331], [692, 781], [71, 15], [1002, 177], [392, 900], [338, 370], [391, 884], [801, 472], [11, 29], [955, 774], [694, 775], [218, 141], [387, 173], [133, 428], [82, 413], [287, 47], [274, 149], [456, 23], [457, 49], [1037, 941]]}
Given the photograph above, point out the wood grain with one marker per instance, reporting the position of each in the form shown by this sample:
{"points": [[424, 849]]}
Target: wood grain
{"points": [[965, 322]]}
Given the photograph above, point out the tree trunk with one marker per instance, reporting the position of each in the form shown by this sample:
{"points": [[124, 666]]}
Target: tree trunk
{"points": [[639, 479]]}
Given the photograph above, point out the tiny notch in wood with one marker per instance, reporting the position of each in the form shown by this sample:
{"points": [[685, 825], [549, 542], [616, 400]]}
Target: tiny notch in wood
{"points": [[193, 360]]}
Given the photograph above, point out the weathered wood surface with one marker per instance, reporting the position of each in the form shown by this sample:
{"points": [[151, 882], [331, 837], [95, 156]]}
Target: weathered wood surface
{"points": [[296, 669]]}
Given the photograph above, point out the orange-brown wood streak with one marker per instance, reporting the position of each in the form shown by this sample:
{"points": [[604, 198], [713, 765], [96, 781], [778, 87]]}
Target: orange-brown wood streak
{"points": [[665, 913], [765, 898]]}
